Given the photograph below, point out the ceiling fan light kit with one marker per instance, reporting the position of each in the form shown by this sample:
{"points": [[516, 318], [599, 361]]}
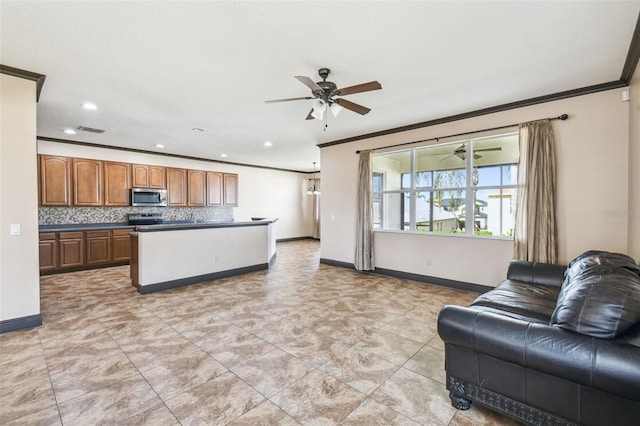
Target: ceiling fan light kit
{"points": [[326, 94]]}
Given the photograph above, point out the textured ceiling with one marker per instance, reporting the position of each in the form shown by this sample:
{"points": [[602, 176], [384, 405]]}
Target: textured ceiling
{"points": [[156, 70]]}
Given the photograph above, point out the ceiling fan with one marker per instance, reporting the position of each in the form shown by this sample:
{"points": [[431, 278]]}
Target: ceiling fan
{"points": [[325, 94], [461, 152]]}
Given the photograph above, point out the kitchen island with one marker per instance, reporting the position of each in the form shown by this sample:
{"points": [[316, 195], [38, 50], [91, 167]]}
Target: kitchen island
{"points": [[175, 255]]}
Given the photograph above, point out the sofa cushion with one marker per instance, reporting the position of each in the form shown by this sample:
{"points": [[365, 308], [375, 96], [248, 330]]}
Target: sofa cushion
{"points": [[591, 258], [523, 299], [599, 299]]}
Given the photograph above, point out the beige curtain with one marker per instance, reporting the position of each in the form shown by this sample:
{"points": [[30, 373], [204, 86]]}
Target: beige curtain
{"points": [[364, 220], [535, 228]]}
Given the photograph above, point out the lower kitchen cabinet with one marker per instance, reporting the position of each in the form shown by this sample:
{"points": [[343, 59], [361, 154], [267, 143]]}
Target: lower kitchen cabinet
{"points": [[48, 251], [120, 245], [71, 249], [77, 250], [98, 247]]}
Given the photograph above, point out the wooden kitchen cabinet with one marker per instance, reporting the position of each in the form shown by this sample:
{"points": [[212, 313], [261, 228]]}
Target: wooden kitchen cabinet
{"points": [[230, 189], [48, 251], [146, 176], [70, 249], [176, 187], [197, 188], [55, 180], [120, 245], [87, 178], [117, 182], [214, 189], [98, 245]]}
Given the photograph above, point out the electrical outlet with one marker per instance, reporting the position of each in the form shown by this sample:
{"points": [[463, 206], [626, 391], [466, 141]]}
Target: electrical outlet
{"points": [[428, 262], [216, 259], [15, 229]]}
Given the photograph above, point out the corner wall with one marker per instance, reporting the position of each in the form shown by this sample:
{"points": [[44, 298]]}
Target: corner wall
{"points": [[261, 193], [634, 166], [19, 273], [593, 188]]}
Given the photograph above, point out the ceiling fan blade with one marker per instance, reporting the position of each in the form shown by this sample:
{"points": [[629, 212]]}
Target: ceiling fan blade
{"points": [[476, 156], [273, 101], [442, 159], [488, 149], [352, 106], [309, 116], [309, 83], [358, 88]]}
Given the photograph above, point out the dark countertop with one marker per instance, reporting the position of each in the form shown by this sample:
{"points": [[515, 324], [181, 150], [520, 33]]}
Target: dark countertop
{"points": [[186, 226], [166, 226], [83, 227]]}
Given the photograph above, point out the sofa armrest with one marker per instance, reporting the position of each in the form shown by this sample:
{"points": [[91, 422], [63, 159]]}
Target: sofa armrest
{"points": [[536, 273], [608, 365]]}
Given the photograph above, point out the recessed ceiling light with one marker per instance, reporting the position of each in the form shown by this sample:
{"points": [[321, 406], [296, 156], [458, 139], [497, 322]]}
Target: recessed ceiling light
{"points": [[159, 145], [70, 131], [267, 143], [198, 129], [223, 155], [89, 105]]}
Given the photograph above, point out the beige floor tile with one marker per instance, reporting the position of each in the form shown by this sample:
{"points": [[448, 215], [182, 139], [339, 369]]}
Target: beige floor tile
{"points": [[429, 362], [19, 345], [271, 372], [265, 414], [45, 417], [242, 348], [371, 412], [159, 415], [218, 401], [417, 397], [318, 398], [360, 369], [390, 346], [315, 348], [113, 403]]}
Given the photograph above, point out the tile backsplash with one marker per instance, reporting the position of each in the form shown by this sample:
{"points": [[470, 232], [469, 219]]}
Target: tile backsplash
{"points": [[69, 215]]}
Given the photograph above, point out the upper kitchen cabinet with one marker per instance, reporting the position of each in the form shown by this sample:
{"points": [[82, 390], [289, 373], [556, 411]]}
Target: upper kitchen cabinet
{"points": [[197, 188], [55, 181], [87, 176], [214, 189], [176, 187], [146, 176], [230, 189], [117, 178]]}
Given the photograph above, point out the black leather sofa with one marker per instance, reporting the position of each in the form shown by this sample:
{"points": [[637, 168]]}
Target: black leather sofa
{"points": [[551, 345]]}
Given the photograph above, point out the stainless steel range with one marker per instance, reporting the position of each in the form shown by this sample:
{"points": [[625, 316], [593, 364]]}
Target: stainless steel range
{"points": [[145, 218]]}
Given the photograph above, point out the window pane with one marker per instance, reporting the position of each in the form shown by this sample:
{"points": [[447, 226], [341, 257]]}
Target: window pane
{"points": [[392, 165], [448, 211], [376, 183], [495, 150], [406, 180], [424, 208], [393, 211], [487, 176], [510, 175], [450, 178], [494, 212], [424, 179]]}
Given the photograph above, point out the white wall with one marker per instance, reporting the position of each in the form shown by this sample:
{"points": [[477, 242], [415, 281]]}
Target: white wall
{"points": [[634, 166], [19, 280], [593, 186], [262, 192]]}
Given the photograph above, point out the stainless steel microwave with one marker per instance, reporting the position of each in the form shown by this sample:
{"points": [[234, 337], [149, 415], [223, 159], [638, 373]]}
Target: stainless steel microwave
{"points": [[149, 197]]}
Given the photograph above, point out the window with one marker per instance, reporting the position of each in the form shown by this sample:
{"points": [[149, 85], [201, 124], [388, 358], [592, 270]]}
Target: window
{"points": [[428, 189]]}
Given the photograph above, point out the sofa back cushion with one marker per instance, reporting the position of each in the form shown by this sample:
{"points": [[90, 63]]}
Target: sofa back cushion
{"points": [[600, 296]]}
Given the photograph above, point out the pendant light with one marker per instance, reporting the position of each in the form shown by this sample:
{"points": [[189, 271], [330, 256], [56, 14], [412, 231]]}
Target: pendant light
{"points": [[313, 189]]}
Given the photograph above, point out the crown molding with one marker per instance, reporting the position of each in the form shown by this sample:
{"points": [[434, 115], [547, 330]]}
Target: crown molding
{"points": [[27, 75]]}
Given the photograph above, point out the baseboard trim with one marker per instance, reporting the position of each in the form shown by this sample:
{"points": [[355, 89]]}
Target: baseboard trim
{"points": [[442, 282], [167, 285], [22, 323], [284, 240]]}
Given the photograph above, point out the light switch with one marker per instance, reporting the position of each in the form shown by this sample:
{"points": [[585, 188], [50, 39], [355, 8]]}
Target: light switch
{"points": [[15, 229]]}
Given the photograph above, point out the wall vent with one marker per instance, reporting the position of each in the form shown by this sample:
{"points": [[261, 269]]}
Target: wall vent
{"points": [[90, 129]]}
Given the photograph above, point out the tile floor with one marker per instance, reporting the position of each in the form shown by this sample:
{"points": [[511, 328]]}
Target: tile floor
{"points": [[301, 343]]}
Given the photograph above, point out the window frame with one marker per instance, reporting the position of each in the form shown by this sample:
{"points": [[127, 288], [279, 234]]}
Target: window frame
{"points": [[469, 190]]}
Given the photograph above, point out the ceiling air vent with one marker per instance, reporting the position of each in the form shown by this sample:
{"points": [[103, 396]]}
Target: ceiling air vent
{"points": [[90, 129]]}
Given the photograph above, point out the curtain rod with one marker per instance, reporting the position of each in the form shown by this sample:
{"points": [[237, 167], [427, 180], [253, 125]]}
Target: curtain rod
{"points": [[560, 117]]}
